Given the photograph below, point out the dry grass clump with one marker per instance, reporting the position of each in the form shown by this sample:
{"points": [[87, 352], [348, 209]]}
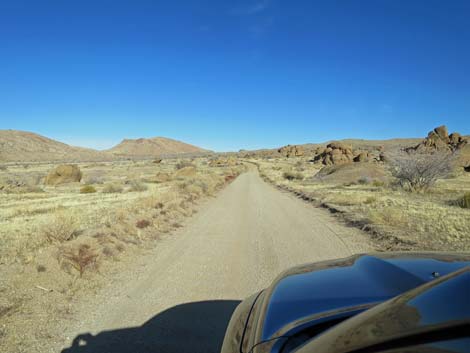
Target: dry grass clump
{"points": [[112, 188], [137, 186], [184, 164], [142, 223], [464, 201], [87, 189], [292, 176], [61, 227]]}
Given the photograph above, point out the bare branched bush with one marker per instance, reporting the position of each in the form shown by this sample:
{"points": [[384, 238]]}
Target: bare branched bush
{"points": [[419, 171], [62, 227], [80, 258]]}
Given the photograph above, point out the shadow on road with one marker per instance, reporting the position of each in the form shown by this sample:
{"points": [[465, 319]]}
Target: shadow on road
{"points": [[193, 327]]}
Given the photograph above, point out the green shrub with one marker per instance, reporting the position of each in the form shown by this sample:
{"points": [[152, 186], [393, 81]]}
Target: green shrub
{"points": [[87, 189], [112, 188], [292, 176], [364, 180], [464, 201]]}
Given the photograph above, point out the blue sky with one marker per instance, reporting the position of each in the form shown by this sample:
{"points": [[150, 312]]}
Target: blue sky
{"points": [[227, 75]]}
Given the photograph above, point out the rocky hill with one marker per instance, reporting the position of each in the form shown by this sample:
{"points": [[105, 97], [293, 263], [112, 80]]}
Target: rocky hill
{"points": [[22, 146], [150, 147]]}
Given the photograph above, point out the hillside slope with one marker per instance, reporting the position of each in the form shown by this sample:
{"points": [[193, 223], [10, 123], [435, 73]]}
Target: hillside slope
{"points": [[156, 146], [22, 146]]}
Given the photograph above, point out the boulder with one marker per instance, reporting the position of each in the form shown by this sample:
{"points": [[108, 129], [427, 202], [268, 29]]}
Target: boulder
{"points": [[362, 157], [62, 174], [442, 132]]}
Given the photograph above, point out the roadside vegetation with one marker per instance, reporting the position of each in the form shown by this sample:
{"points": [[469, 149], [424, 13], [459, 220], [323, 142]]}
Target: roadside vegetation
{"points": [[413, 202], [61, 238]]}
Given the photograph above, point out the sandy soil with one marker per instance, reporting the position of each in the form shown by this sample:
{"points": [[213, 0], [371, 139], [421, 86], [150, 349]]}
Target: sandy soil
{"points": [[180, 295]]}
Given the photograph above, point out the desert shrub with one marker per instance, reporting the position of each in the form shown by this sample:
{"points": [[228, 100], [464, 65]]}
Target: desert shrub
{"points": [[364, 180], [419, 171], [80, 258], [87, 189], [137, 186], [62, 227], [3, 167], [378, 183], [370, 200], [41, 268], [464, 201], [142, 223], [112, 188], [292, 176], [183, 164]]}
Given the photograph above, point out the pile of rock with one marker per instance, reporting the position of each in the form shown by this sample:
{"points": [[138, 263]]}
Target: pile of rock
{"points": [[334, 153], [440, 140], [291, 151], [340, 153], [62, 174]]}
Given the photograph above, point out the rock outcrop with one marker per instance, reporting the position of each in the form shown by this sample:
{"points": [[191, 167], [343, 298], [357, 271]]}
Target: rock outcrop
{"points": [[62, 174], [440, 140], [334, 153], [291, 151]]}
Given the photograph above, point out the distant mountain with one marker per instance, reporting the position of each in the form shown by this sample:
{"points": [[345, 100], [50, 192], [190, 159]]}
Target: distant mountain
{"points": [[155, 146], [22, 146]]}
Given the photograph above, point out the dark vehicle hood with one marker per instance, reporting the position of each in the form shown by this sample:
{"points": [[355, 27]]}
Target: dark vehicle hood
{"points": [[349, 286], [436, 314]]}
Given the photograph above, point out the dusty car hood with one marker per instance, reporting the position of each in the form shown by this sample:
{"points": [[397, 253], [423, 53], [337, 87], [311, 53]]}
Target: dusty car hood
{"points": [[359, 282]]}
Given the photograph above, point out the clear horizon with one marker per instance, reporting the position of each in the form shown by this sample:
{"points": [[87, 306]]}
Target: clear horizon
{"points": [[223, 76]]}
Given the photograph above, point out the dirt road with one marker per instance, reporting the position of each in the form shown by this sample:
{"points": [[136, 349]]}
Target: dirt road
{"points": [[179, 297]]}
